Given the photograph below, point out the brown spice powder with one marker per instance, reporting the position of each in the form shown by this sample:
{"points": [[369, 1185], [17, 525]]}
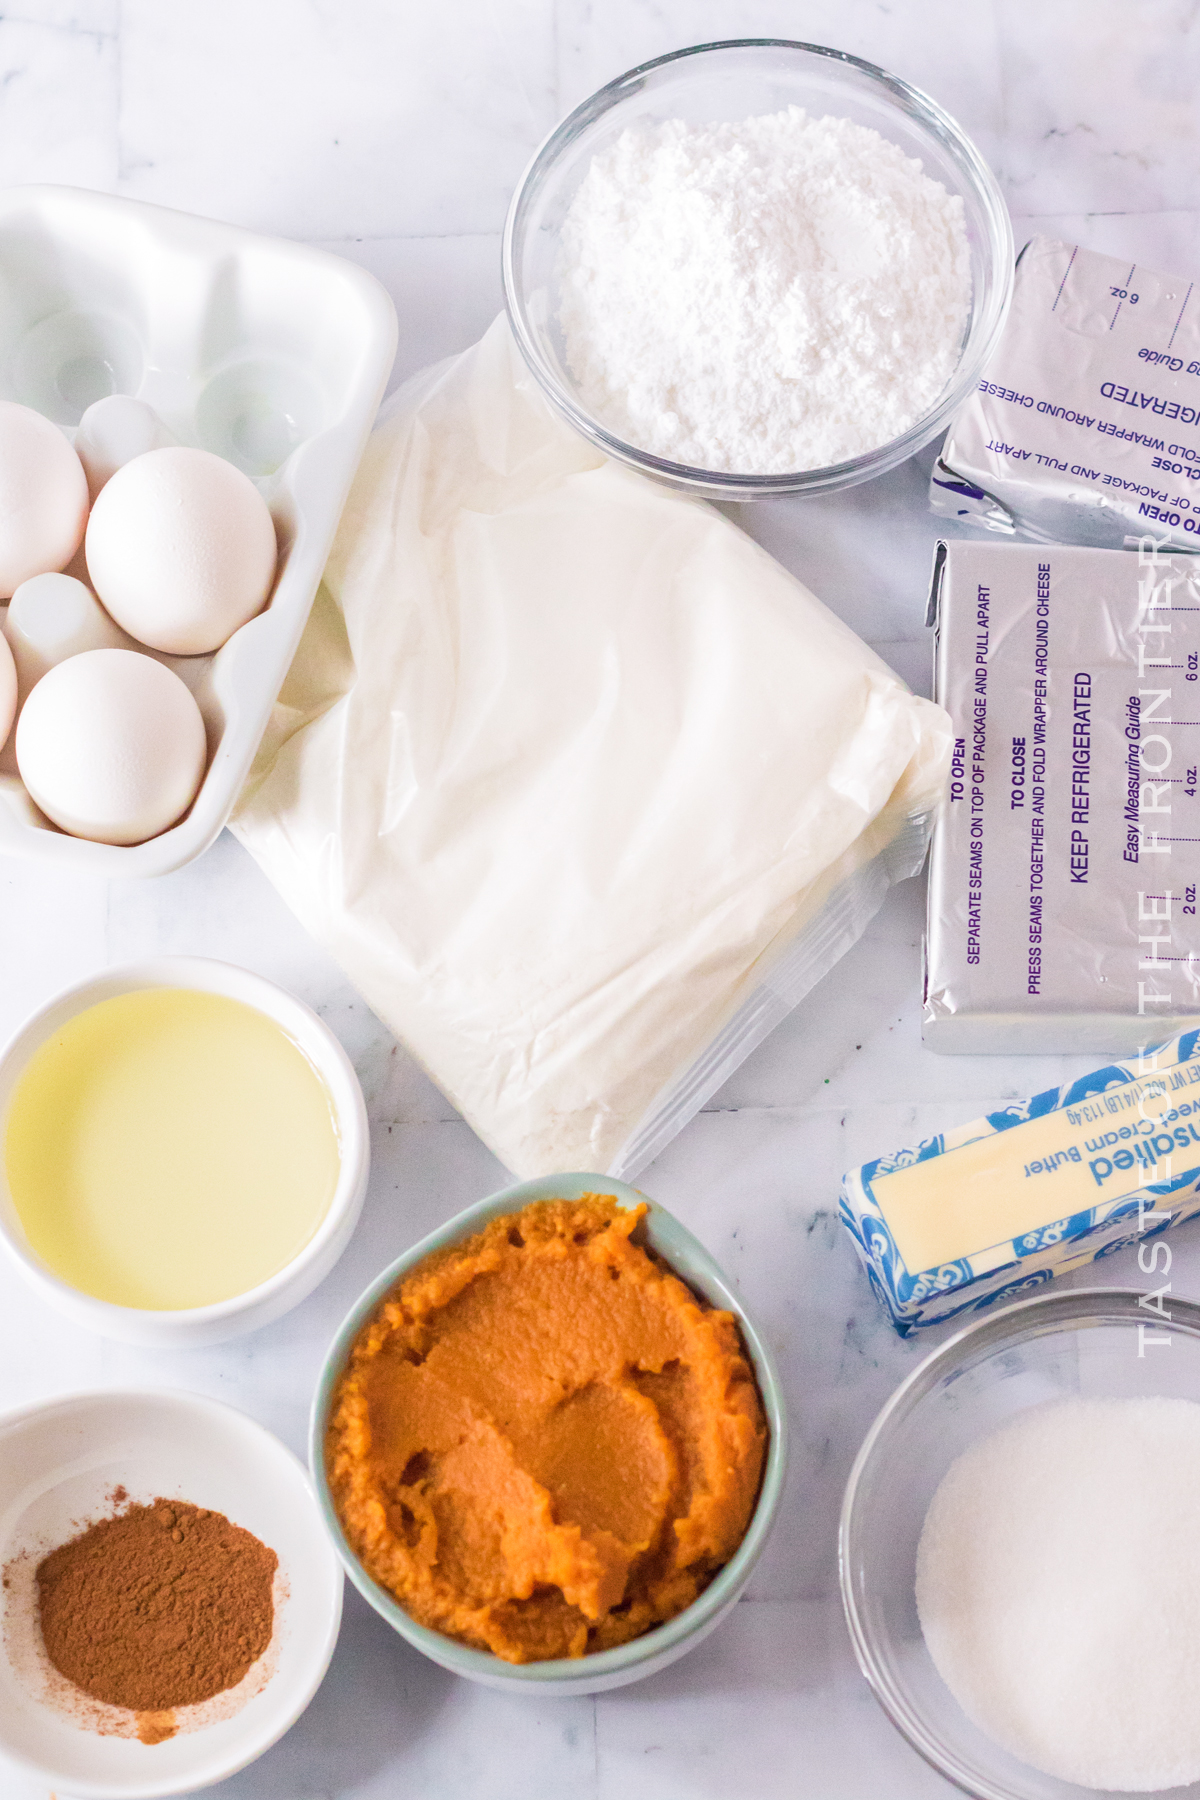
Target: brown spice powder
{"points": [[160, 1607]]}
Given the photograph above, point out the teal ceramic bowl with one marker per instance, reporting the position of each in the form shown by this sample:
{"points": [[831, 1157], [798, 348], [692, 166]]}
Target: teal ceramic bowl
{"points": [[645, 1655]]}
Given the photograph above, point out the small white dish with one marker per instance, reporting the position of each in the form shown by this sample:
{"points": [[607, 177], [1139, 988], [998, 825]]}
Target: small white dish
{"points": [[60, 1462], [189, 1327]]}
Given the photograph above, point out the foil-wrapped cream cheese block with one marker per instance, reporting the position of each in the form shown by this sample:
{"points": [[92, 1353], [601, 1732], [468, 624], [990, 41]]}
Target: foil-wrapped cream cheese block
{"points": [[993, 1209], [1085, 427], [1065, 871]]}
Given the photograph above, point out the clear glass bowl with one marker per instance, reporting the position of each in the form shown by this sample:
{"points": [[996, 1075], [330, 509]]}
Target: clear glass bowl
{"points": [[733, 81], [1085, 1343]]}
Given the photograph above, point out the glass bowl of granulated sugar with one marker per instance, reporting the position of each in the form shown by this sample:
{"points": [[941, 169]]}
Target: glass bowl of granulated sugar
{"points": [[1020, 1546], [758, 267]]}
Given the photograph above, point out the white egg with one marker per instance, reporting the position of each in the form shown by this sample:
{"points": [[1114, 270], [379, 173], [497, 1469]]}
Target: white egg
{"points": [[181, 549], [43, 497], [8, 690], [51, 617], [112, 432], [111, 746]]}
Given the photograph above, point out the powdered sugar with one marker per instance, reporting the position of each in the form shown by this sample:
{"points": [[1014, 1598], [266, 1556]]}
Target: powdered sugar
{"points": [[762, 297]]}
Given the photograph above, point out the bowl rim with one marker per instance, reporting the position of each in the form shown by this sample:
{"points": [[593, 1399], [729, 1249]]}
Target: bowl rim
{"points": [[825, 477], [483, 1665], [202, 974], [264, 1439], [1040, 1316]]}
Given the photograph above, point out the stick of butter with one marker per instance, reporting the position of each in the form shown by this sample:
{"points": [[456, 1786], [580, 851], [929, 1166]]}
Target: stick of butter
{"points": [[993, 1209]]}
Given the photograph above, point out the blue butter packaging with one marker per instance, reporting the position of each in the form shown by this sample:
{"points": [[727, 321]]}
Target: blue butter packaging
{"points": [[991, 1210]]}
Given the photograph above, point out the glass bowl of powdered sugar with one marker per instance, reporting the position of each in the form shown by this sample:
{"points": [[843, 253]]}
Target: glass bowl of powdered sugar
{"points": [[758, 267], [1020, 1548]]}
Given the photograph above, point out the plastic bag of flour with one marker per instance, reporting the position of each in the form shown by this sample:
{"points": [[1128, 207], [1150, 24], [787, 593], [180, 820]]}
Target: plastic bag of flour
{"points": [[582, 790]]}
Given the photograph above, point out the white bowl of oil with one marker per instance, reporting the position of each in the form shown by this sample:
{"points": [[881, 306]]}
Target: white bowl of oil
{"points": [[184, 1151]]}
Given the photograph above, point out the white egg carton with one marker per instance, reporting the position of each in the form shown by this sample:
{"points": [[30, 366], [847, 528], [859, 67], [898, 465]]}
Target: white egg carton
{"points": [[269, 353]]}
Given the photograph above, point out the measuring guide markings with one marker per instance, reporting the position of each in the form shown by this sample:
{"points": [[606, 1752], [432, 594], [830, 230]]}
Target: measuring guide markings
{"points": [[1085, 427], [1066, 865]]}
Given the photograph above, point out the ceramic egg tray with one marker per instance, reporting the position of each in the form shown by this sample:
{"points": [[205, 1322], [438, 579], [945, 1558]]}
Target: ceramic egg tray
{"points": [[269, 353]]}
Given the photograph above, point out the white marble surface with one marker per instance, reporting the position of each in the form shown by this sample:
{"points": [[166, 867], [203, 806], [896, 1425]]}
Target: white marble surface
{"points": [[392, 131]]}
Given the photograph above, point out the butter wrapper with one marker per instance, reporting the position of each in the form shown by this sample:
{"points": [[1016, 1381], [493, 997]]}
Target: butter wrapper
{"points": [[1085, 427], [1064, 886], [992, 1210]]}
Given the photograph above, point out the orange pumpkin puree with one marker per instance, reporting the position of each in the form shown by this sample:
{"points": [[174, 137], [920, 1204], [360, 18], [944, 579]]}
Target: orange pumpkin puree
{"points": [[543, 1444]]}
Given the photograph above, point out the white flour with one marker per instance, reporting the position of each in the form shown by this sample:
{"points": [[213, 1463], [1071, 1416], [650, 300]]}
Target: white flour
{"points": [[1058, 1584], [763, 297]]}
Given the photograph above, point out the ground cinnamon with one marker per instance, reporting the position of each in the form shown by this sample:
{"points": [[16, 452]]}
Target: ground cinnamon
{"points": [[160, 1607]]}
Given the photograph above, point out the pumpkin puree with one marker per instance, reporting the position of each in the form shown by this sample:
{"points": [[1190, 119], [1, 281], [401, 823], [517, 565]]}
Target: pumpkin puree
{"points": [[543, 1444]]}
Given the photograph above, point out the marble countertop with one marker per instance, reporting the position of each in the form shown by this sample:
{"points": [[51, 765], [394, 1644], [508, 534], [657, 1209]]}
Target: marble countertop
{"points": [[392, 132]]}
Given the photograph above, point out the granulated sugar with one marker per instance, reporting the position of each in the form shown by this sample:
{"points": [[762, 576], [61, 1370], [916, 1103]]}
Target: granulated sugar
{"points": [[1058, 1586], [761, 297]]}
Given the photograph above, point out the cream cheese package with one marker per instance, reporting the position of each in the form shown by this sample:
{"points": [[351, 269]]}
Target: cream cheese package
{"points": [[1085, 426], [1062, 906], [579, 786], [991, 1210]]}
